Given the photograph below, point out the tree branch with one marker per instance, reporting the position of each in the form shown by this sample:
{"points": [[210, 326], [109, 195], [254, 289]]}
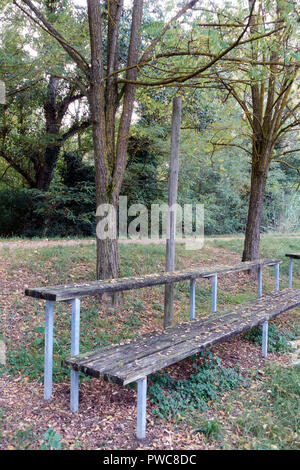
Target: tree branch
{"points": [[42, 22]]}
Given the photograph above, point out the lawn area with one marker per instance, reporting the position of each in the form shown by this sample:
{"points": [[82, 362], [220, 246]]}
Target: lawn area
{"points": [[229, 398]]}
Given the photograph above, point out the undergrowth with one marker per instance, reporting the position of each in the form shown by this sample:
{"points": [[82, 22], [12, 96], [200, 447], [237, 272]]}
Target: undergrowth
{"points": [[278, 339], [173, 397]]}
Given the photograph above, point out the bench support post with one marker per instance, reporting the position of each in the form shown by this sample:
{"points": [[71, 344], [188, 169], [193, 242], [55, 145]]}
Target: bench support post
{"points": [[265, 339], [75, 334], [291, 272], [192, 298], [277, 277], [141, 408], [48, 357], [259, 281], [214, 293]]}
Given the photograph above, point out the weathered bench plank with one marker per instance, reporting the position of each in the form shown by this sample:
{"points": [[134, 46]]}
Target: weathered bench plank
{"points": [[72, 291], [293, 255], [127, 363]]}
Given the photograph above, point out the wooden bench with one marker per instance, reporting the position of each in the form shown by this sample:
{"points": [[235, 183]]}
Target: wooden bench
{"points": [[292, 256], [72, 294], [134, 361]]}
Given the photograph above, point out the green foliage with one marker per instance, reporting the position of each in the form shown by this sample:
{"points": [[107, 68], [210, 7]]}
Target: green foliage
{"points": [[210, 428], [177, 397], [142, 183], [278, 339], [62, 210], [52, 441], [15, 208]]}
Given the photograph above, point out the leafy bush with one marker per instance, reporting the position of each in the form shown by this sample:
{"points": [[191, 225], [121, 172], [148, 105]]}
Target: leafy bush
{"points": [[177, 397], [66, 209], [15, 209], [52, 441], [278, 340]]}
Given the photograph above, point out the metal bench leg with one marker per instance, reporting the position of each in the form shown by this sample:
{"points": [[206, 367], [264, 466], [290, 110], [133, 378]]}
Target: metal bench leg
{"points": [[259, 281], [265, 339], [277, 277], [214, 293], [75, 334], [291, 272], [48, 358], [192, 298], [141, 408]]}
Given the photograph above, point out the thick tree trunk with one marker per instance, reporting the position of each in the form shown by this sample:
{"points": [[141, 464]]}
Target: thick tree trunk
{"points": [[110, 158], [252, 233], [45, 174]]}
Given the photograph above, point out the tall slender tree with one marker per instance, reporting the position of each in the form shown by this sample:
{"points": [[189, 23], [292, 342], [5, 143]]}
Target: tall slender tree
{"points": [[264, 81]]}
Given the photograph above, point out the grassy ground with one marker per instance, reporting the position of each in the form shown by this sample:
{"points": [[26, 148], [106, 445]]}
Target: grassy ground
{"points": [[261, 413]]}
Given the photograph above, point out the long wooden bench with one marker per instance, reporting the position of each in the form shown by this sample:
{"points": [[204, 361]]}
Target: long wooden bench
{"points": [[135, 360], [74, 292]]}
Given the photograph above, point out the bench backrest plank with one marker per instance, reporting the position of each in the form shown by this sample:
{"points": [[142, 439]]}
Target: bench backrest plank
{"points": [[72, 291]]}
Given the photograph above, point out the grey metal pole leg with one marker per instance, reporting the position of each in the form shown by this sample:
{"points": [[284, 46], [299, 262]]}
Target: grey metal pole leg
{"points": [[141, 408], [75, 335], [259, 281], [192, 298], [277, 277], [265, 339], [214, 293], [48, 358], [291, 272]]}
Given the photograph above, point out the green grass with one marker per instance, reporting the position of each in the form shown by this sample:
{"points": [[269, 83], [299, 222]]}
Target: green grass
{"points": [[272, 247], [269, 415]]}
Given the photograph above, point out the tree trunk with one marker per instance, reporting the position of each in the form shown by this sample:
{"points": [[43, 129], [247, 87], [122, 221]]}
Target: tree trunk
{"points": [[252, 233], [110, 158], [45, 174]]}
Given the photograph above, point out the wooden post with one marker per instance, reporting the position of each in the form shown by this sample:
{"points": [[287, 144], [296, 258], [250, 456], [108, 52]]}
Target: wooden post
{"points": [[172, 200]]}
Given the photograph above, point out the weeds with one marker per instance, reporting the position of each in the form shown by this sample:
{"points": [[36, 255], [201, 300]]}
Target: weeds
{"points": [[271, 418], [211, 429], [177, 397], [278, 339]]}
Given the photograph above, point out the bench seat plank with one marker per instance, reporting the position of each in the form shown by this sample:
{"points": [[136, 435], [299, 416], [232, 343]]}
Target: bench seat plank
{"points": [[86, 289], [126, 363], [293, 255]]}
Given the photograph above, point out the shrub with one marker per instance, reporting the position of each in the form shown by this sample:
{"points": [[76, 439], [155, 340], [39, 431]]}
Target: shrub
{"points": [[177, 397], [278, 340]]}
